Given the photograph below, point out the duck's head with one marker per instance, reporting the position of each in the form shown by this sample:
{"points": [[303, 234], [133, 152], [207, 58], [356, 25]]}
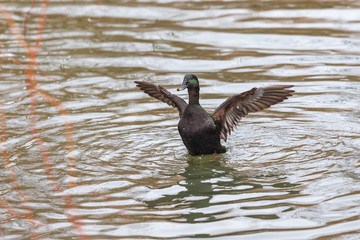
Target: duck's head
{"points": [[190, 82]]}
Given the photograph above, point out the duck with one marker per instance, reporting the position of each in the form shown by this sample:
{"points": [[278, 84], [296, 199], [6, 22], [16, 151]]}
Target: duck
{"points": [[202, 132]]}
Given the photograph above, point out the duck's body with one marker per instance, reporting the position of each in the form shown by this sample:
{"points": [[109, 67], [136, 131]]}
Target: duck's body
{"points": [[200, 131]]}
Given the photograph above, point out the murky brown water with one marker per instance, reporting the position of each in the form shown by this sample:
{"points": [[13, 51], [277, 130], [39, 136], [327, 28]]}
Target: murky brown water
{"points": [[86, 155]]}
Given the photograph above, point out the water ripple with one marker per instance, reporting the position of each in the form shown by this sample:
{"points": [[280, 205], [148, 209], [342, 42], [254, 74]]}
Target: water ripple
{"points": [[290, 172]]}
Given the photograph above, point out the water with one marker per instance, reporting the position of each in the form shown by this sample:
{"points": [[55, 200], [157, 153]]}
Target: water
{"points": [[86, 155]]}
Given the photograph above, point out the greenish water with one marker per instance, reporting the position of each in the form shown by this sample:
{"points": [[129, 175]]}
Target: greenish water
{"points": [[87, 155]]}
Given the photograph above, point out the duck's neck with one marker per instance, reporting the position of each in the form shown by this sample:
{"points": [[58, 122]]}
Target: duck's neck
{"points": [[193, 96]]}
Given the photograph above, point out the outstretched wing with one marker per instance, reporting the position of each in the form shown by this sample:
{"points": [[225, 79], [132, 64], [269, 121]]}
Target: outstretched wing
{"points": [[164, 95], [230, 112]]}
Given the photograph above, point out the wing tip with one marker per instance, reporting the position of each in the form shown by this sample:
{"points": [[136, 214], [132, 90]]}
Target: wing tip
{"points": [[139, 83]]}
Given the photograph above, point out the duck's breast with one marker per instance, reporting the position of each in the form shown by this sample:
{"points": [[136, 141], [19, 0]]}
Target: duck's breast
{"points": [[196, 121]]}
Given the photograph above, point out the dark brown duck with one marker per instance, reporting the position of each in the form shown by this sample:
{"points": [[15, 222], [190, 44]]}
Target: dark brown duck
{"points": [[200, 131]]}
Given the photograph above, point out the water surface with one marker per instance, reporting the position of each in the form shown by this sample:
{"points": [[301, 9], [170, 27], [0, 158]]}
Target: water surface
{"points": [[86, 155]]}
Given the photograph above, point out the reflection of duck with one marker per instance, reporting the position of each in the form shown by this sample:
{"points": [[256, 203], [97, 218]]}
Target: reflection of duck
{"points": [[200, 131], [203, 174], [201, 177], [203, 180]]}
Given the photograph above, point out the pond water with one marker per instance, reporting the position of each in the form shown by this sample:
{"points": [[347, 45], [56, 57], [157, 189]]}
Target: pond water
{"points": [[87, 155]]}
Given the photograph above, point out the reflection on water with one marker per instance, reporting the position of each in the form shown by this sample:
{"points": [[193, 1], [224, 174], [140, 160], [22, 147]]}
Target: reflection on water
{"points": [[84, 154], [211, 191]]}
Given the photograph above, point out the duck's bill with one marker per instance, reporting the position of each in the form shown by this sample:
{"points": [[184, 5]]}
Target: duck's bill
{"points": [[182, 87]]}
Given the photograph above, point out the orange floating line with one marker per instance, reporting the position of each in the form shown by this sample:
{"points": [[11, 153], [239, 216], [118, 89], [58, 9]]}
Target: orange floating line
{"points": [[26, 17], [39, 34], [55, 102], [10, 168], [13, 27], [11, 210], [69, 131], [33, 89], [15, 213], [13, 60], [41, 26], [45, 154]]}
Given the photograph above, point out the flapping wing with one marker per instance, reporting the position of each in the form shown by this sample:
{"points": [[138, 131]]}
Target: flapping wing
{"points": [[164, 95], [230, 112]]}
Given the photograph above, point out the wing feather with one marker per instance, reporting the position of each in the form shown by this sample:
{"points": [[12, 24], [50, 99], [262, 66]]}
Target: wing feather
{"points": [[228, 115], [160, 93]]}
